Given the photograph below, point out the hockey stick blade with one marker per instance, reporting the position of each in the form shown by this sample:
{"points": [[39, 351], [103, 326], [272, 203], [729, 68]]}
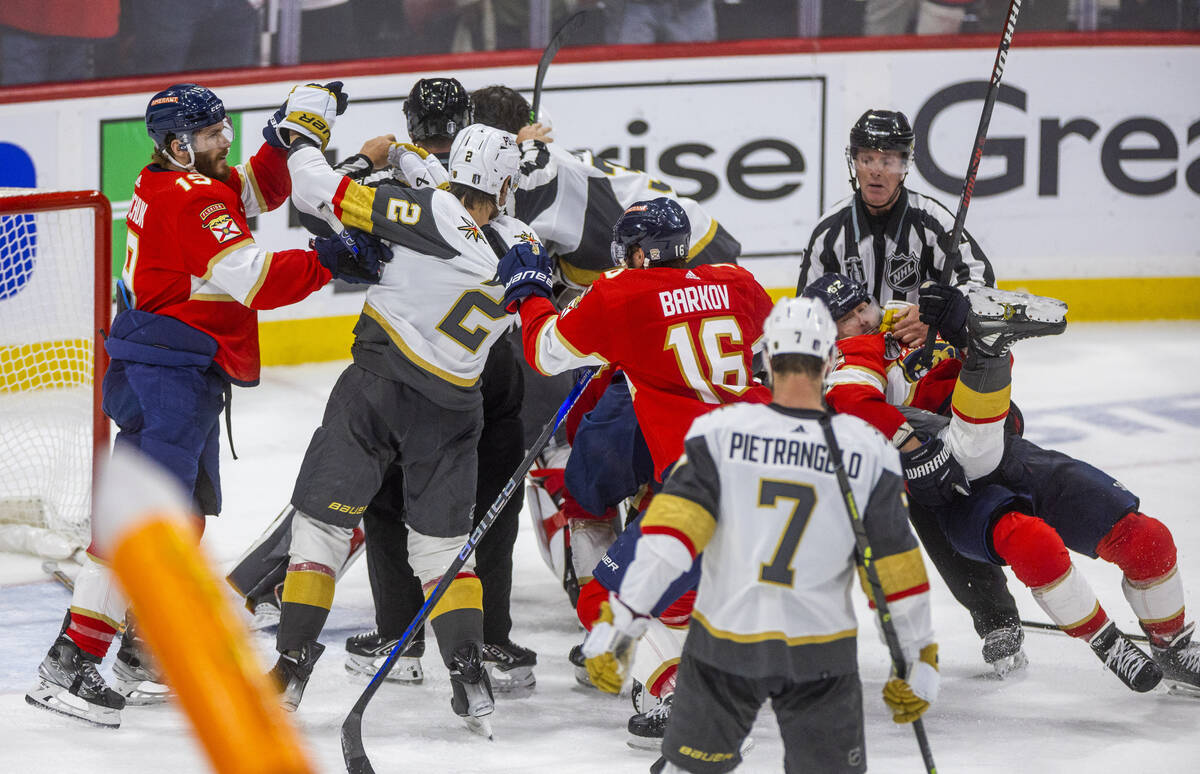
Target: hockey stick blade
{"points": [[51, 568], [1046, 626], [564, 33], [353, 752]]}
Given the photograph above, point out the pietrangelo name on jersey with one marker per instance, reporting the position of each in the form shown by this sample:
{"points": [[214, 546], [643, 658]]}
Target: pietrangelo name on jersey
{"points": [[768, 450], [694, 298]]}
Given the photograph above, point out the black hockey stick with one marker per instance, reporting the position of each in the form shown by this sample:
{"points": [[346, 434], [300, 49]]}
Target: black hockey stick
{"points": [[568, 28], [51, 568], [867, 560], [353, 752], [953, 255], [1051, 627]]}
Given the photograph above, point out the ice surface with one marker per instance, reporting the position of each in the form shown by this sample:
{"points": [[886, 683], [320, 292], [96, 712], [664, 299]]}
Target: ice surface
{"points": [[1124, 397]]}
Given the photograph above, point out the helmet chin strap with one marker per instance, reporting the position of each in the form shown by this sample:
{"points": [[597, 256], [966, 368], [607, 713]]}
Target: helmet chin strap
{"points": [[186, 142]]}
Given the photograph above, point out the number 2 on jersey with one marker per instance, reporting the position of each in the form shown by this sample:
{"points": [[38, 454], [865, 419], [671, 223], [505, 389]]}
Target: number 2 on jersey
{"points": [[726, 370], [779, 570]]}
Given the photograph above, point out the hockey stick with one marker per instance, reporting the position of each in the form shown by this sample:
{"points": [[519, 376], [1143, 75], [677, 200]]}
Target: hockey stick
{"points": [[353, 752], [339, 229], [51, 568], [568, 28], [867, 561], [953, 255], [1050, 627]]}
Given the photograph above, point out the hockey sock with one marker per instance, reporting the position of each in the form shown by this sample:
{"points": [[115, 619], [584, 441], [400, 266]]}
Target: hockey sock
{"points": [[1040, 560], [1145, 551], [97, 607], [980, 406], [679, 612], [304, 604], [457, 618], [92, 635]]}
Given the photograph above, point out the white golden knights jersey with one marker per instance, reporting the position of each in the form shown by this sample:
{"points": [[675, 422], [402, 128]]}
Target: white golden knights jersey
{"points": [[574, 198], [437, 311], [891, 256], [756, 492]]}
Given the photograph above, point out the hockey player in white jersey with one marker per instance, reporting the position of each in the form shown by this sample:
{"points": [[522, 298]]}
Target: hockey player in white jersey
{"points": [[410, 403], [756, 492]]}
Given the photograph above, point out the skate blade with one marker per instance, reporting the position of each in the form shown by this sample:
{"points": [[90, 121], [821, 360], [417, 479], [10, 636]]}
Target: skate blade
{"points": [[143, 693], [60, 701], [647, 743], [406, 671], [516, 681], [481, 726], [1175, 688], [1003, 668], [992, 303]]}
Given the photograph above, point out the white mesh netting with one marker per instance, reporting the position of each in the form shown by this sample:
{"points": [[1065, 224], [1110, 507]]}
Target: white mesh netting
{"points": [[47, 296]]}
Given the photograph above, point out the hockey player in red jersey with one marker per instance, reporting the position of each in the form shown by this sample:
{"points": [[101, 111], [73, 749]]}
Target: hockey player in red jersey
{"points": [[185, 331], [1024, 505], [683, 337]]}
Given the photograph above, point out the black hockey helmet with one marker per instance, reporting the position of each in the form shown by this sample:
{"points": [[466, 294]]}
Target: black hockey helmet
{"points": [[437, 107], [840, 293], [882, 130], [659, 226]]}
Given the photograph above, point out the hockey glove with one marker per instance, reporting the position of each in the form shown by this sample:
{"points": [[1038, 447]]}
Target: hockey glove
{"points": [[908, 699], [310, 111], [417, 166], [609, 646], [932, 474], [365, 268], [525, 271], [944, 308]]}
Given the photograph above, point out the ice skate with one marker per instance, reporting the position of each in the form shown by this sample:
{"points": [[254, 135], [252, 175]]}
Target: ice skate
{"points": [[135, 677], [69, 684], [646, 729], [578, 661], [366, 652], [509, 666], [1000, 318], [1126, 660], [291, 673], [472, 700], [1180, 662], [1002, 649], [266, 616]]}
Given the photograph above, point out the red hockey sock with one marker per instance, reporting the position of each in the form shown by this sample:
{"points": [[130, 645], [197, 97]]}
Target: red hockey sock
{"points": [[1031, 547], [679, 612], [91, 635]]}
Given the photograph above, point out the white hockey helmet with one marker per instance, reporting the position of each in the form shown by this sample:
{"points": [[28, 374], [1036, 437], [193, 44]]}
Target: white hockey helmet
{"points": [[483, 157], [800, 326]]}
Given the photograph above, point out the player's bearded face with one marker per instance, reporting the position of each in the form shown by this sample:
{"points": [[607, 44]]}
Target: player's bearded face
{"points": [[211, 146], [879, 174]]}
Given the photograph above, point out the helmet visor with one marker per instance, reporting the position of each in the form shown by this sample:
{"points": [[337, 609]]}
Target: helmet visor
{"points": [[213, 137]]}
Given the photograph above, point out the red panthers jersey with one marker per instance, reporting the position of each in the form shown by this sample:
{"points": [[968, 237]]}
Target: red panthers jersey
{"points": [[190, 254], [683, 337]]}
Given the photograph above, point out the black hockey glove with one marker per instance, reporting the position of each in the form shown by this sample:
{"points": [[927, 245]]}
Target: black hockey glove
{"points": [[932, 474], [366, 268], [944, 308], [525, 271]]}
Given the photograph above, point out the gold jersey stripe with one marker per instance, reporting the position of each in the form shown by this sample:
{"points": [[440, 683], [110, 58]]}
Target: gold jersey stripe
{"points": [[970, 404], [305, 587], [412, 356], [252, 181], [357, 204], [769, 636], [262, 277], [462, 594], [212, 262], [703, 241], [897, 573], [680, 513]]}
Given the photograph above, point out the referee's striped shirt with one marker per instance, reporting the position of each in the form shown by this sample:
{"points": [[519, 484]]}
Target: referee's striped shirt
{"points": [[892, 267]]}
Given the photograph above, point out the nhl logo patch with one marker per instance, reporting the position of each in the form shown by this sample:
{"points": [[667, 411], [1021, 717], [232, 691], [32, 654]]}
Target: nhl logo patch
{"points": [[223, 228], [902, 272]]}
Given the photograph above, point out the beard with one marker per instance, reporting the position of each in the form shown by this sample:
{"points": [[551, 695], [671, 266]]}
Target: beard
{"points": [[212, 164]]}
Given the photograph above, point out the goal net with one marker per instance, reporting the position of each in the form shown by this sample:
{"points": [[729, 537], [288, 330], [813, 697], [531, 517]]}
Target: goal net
{"points": [[55, 294]]}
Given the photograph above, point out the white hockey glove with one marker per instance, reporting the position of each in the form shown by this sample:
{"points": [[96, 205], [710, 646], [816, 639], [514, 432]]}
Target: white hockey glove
{"points": [[310, 110], [908, 699], [609, 646], [417, 166]]}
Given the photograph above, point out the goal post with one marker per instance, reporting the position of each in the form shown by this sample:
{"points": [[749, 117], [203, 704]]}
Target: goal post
{"points": [[55, 299]]}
